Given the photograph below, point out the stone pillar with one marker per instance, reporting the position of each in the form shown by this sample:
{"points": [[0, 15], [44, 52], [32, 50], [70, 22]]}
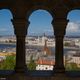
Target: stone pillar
{"points": [[59, 26], [20, 29]]}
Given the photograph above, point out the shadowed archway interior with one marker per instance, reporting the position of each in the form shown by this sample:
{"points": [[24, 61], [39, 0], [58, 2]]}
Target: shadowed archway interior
{"points": [[21, 10]]}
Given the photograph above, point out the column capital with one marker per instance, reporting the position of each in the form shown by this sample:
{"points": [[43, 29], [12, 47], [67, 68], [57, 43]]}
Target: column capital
{"points": [[20, 26], [59, 25]]}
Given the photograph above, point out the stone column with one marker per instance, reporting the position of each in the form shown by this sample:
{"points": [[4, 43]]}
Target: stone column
{"points": [[20, 29], [59, 26]]}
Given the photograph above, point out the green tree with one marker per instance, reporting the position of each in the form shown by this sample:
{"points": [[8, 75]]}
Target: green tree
{"points": [[71, 67], [8, 64], [32, 64]]}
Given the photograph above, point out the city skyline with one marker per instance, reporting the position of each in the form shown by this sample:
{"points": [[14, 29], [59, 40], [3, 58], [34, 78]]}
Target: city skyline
{"points": [[40, 22]]}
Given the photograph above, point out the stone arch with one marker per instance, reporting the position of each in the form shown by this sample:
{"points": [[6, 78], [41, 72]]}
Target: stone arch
{"points": [[71, 12], [9, 14], [71, 39], [7, 31], [36, 7], [46, 11], [71, 5], [41, 39]]}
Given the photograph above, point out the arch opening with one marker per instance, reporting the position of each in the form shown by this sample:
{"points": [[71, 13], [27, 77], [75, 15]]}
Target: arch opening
{"points": [[72, 42], [40, 42], [7, 41]]}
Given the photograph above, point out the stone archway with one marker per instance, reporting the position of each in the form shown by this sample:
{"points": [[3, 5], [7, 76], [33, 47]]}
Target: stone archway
{"points": [[19, 10]]}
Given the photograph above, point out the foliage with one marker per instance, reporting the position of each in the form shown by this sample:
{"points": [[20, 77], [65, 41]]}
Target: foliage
{"points": [[32, 64], [8, 64], [71, 67], [66, 44]]}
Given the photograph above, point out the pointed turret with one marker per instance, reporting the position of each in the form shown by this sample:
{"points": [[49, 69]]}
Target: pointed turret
{"points": [[46, 49]]}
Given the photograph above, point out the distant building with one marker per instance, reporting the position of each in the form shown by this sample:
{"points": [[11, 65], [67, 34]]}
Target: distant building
{"points": [[77, 42], [40, 41], [44, 64], [46, 61], [2, 58], [75, 59]]}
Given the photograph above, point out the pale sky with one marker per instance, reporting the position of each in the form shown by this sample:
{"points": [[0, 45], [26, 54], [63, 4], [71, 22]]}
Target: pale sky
{"points": [[40, 22]]}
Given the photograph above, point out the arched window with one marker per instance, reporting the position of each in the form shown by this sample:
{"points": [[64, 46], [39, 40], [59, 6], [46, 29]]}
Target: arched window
{"points": [[7, 41], [72, 42], [40, 42]]}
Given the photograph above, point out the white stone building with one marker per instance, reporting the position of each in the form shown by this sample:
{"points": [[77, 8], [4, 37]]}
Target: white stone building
{"points": [[45, 64], [44, 67], [75, 59]]}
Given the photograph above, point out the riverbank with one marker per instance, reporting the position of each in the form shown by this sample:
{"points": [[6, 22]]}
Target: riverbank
{"points": [[7, 43], [7, 53]]}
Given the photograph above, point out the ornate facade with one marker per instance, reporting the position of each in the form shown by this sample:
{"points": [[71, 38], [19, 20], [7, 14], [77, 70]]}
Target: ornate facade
{"points": [[21, 10]]}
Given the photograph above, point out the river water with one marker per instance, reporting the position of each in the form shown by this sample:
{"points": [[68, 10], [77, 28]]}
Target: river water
{"points": [[9, 46]]}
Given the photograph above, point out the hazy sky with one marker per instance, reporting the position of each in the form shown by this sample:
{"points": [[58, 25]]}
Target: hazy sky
{"points": [[40, 22]]}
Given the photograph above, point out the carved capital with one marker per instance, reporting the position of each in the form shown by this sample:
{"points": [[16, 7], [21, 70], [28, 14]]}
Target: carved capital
{"points": [[59, 26], [20, 26]]}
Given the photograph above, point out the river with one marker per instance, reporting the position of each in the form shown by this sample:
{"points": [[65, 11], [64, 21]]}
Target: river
{"points": [[7, 46]]}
